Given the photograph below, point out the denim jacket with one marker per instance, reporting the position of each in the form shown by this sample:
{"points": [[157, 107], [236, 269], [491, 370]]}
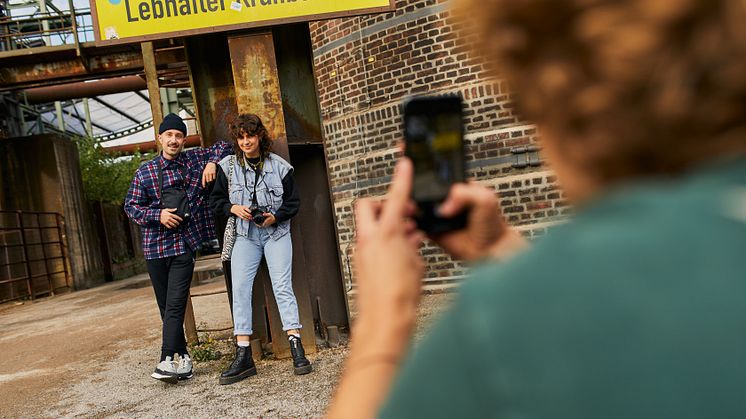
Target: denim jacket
{"points": [[268, 189]]}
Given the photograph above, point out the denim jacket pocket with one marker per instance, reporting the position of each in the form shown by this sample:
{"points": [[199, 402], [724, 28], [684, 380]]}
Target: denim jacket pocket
{"points": [[235, 194], [275, 195]]}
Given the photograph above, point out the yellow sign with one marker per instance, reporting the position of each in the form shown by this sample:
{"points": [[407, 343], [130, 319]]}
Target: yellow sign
{"points": [[118, 21]]}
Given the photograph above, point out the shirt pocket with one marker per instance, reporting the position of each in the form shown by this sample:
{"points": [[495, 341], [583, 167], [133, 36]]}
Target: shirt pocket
{"points": [[275, 195]]}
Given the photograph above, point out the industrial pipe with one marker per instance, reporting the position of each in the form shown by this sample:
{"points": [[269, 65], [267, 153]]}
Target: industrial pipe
{"points": [[84, 89], [148, 146]]}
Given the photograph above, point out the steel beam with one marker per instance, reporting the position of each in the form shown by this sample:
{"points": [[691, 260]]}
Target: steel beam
{"points": [[117, 110], [60, 119], [88, 122], [142, 96], [151, 77], [148, 146], [23, 69], [81, 119], [84, 89]]}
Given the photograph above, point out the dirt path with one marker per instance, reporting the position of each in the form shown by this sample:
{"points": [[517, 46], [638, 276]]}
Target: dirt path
{"points": [[90, 353]]}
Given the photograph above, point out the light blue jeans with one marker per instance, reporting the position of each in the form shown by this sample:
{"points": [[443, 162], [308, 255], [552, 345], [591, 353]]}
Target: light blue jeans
{"points": [[245, 258]]}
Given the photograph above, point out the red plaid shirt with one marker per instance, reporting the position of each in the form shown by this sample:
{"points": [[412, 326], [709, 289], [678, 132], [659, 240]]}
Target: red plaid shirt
{"points": [[143, 202]]}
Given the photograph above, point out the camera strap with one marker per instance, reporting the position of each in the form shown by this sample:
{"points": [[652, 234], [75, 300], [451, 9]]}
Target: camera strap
{"points": [[257, 172]]}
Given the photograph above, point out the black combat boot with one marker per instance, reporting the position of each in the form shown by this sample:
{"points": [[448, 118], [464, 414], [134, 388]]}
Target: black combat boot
{"points": [[242, 367], [300, 363]]}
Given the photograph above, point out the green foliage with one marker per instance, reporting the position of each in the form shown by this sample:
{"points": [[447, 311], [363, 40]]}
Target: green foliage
{"points": [[205, 350], [106, 176]]}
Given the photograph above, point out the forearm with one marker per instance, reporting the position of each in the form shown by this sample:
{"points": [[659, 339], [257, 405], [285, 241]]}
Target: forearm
{"points": [[373, 362], [143, 216], [136, 205]]}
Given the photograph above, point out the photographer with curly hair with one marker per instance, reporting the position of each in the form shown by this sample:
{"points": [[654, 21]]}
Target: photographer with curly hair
{"points": [[634, 308], [257, 187]]}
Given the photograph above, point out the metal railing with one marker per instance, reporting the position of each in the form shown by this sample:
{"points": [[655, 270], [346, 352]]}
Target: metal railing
{"points": [[33, 255], [46, 29]]}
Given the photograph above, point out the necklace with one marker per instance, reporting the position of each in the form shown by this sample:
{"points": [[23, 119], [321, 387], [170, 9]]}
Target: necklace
{"points": [[255, 166]]}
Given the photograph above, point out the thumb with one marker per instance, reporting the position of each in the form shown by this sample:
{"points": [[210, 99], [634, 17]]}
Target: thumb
{"points": [[170, 209]]}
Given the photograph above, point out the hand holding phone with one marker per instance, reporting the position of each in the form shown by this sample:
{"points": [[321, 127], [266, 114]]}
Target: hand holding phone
{"points": [[433, 134]]}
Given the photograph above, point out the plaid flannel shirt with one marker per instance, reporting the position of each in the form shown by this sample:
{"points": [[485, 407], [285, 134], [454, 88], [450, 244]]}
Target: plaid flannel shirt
{"points": [[143, 202]]}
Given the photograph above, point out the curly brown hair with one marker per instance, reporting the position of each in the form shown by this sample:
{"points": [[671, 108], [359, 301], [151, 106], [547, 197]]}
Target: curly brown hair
{"points": [[624, 88], [250, 124]]}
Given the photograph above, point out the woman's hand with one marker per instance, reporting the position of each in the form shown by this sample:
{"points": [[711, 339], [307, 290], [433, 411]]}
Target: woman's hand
{"points": [[269, 219], [208, 175], [486, 233], [388, 265], [241, 212]]}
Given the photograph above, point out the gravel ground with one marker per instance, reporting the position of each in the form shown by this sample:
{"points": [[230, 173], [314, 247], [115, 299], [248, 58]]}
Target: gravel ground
{"points": [[89, 354]]}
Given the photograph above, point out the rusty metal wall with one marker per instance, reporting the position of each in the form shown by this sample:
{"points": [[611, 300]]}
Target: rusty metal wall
{"points": [[212, 85], [297, 84], [257, 83], [42, 173]]}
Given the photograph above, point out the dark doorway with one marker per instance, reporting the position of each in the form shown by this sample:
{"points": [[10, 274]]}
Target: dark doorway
{"points": [[319, 240]]}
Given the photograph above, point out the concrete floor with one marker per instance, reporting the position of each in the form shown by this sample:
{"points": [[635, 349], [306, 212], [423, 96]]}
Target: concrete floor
{"points": [[90, 353]]}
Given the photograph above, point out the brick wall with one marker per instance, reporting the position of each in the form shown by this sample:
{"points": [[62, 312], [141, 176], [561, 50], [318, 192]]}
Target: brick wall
{"points": [[366, 65]]}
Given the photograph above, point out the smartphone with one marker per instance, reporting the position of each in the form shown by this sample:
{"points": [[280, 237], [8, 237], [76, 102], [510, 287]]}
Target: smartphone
{"points": [[434, 141]]}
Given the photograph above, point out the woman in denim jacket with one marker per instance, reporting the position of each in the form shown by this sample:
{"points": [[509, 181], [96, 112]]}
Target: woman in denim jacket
{"points": [[261, 194]]}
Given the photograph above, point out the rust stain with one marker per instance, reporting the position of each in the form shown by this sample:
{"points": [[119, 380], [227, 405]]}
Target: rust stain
{"points": [[257, 83]]}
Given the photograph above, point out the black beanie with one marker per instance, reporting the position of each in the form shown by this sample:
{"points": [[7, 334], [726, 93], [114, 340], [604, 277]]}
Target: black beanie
{"points": [[172, 121]]}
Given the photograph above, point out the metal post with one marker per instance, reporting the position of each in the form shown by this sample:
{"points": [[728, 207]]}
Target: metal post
{"points": [[63, 247], [44, 253], [22, 117], [60, 119], [87, 110], [19, 217], [151, 77], [74, 22], [190, 325], [45, 22]]}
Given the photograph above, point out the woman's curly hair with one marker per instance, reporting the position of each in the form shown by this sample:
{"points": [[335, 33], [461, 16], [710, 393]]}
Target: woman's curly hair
{"points": [[624, 87], [250, 124]]}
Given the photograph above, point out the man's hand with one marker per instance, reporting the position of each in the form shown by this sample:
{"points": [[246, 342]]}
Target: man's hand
{"points": [[169, 219], [486, 233], [208, 175], [241, 212], [269, 219]]}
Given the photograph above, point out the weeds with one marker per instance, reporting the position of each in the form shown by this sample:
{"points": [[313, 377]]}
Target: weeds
{"points": [[205, 350]]}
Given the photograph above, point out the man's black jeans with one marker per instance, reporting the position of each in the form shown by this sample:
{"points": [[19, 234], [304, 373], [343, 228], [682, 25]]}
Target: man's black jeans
{"points": [[171, 278]]}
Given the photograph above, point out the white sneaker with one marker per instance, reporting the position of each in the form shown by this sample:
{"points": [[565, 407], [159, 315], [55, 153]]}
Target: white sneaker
{"points": [[184, 370], [166, 371]]}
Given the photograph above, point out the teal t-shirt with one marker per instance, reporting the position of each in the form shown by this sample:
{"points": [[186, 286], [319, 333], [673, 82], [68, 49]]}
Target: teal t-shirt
{"points": [[636, 308]]}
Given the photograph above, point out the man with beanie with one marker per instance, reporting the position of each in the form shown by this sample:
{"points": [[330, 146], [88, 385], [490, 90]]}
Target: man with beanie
{"points": [[171, 236]]}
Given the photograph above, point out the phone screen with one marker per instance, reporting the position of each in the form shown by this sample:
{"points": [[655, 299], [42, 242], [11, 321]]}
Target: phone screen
{"points": [[433, 133]]}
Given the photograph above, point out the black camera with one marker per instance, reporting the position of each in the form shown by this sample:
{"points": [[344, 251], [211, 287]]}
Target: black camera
{"points": [[257, 214]]}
